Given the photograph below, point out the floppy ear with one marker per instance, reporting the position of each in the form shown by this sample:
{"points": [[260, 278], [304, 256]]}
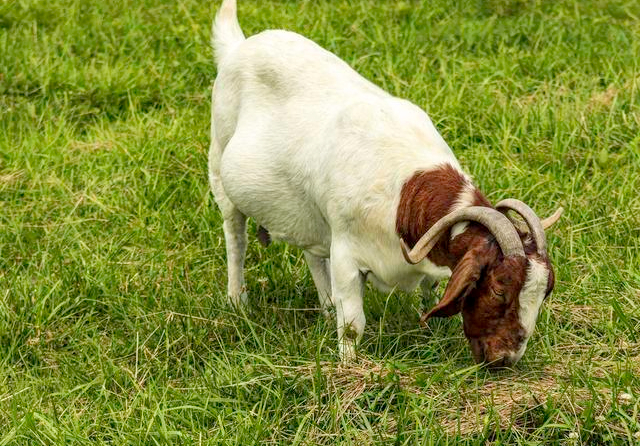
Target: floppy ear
{"points": [[462, 281]]}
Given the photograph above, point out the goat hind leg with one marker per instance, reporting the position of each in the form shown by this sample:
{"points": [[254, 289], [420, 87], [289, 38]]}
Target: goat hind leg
{"points": [[235, 231], [319, 268], [235, 234]]}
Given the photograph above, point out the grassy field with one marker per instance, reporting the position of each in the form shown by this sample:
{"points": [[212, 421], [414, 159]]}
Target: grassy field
{"points": [[113, 328]]}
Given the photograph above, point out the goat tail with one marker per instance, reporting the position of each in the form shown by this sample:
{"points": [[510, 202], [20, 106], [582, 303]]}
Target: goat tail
{"points": [[226, 31]]}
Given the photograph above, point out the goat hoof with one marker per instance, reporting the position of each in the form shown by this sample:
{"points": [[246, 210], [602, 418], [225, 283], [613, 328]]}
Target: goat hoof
{"points": [[239, 300]]}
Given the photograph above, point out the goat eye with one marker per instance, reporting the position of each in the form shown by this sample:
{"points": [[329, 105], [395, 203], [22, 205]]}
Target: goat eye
{"points": [[499, 294]]}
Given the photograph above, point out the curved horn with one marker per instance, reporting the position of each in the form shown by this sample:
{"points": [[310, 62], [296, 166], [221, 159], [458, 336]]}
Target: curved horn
{"points": [[494, 221], [530, 218], [553, 218], [536, 227]]}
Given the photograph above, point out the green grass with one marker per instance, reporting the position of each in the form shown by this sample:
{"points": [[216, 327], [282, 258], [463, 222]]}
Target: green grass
{"points": [[113, 328]]}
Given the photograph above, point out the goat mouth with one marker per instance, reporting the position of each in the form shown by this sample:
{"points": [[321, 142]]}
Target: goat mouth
{"points": [[499, 364], [481, 355]]}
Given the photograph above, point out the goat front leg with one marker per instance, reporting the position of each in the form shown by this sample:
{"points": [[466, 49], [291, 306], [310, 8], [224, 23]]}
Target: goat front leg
{"points": [[319, 268], [347, 288], [235, 229]]}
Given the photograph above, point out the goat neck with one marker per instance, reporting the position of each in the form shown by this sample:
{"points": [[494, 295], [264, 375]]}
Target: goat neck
{"points": [[430, 195]]}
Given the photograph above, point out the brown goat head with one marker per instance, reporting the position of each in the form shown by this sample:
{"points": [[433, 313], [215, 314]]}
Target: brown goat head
{"points": [[501, 272], [499, 298]]}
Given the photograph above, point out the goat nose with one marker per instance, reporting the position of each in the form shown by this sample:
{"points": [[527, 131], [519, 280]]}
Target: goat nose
{"points": [[500, 362], [497, 364]]}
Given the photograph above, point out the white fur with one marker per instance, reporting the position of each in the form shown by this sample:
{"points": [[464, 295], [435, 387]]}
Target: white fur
{"points": [[317, 155], [530, 300], [532, 295], [226, 30]]}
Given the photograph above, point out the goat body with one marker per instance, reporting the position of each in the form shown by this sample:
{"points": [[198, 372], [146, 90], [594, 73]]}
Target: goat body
{"points": [[319, 156]]}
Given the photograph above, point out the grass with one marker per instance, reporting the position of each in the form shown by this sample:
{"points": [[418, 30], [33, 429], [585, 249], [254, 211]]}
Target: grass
{"points": [[113, 328]]}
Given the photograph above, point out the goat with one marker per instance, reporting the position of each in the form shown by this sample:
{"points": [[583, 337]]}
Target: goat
{"points": [[363, 182]]}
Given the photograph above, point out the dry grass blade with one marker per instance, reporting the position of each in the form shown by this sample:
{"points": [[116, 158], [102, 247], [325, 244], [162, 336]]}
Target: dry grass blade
{"points": [[501, 402], [11, 177]]}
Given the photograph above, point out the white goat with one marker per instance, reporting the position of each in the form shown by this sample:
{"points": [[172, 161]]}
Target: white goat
{"points": [[327, 161]]}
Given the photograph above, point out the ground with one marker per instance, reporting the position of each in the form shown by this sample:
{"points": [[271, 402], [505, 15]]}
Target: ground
{"points": [[113, 328]]}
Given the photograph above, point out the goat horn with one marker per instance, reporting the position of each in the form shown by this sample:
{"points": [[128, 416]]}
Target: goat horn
{"points": [[494, 221], [536, 227], [530, 218], [552, 219]]}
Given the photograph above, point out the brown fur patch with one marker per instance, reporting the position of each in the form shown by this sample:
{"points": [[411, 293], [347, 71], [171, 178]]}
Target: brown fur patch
{"points": [[463, 279], [490, 311], [427, 197], [484, 285]]}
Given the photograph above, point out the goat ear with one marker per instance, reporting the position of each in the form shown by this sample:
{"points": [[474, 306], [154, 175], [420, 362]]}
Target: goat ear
{"points": [[462, 281]]}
